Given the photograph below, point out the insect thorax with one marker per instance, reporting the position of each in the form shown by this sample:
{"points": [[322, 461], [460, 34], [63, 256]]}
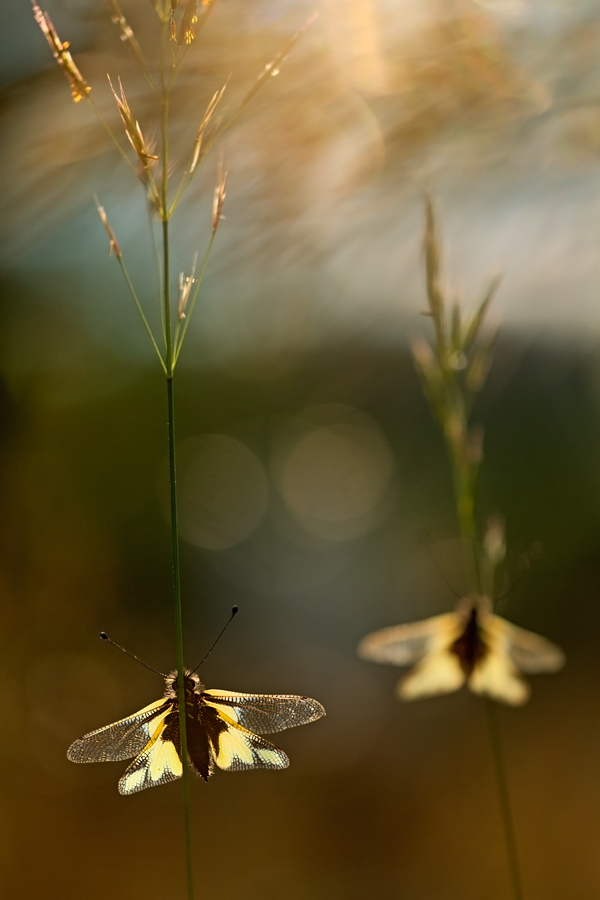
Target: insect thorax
{"points": [[470, 646], [192, 686]]}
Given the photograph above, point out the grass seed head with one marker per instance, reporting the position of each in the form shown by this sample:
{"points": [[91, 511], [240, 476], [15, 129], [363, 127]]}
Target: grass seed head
{"points": [[199, 144], [79, 87], [186, 283], [113, 244]]}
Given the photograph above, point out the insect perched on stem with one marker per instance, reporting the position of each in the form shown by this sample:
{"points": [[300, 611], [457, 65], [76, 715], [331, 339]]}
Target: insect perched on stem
{"points": [[471, 645], [223, 729]]}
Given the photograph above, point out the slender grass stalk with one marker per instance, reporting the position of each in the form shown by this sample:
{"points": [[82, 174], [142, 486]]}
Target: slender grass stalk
{"points": [[128, 37], [173, 41], [185, 781], [112, 135], [170, 372], [158, 268], [495, 733], [141, 312], [453, 370], [465, 503], [179, 655]]}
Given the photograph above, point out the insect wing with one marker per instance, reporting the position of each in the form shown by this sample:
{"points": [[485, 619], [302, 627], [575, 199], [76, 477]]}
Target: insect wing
{"points": [[122, 739], [264, 713], [497, 676], [529, 651], [404, 645], [158, 763], [234, 748], [436, 673]]}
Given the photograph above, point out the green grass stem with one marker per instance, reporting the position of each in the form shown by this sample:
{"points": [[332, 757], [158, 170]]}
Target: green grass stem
{"points": [[179, 640], [465, 508], [170, 362], [141, 311]]}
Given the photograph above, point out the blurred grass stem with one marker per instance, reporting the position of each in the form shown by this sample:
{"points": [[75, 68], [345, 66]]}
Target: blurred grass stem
{"points": [[510, 837], [453, 369], [467, 527]]}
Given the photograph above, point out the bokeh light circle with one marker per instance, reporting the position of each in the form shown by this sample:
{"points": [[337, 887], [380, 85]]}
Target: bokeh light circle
{"points": [[223, 491], [336, 478]]}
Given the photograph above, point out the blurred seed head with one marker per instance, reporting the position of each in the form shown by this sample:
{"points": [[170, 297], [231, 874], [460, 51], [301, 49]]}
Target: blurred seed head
{"points": [[474, 446], [494, 543]]}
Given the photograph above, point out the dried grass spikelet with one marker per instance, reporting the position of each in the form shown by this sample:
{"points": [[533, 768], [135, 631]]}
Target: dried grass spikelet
{"points": [[454, 367], [219, 195], [272, 68], [432, 375], [190, 18], [118, 19], [186, 282], [463, 349], [191, 22], [113, 244], [471, 646], [431, 248], [79, 87], [201, 146], [142, 148], [127, 35]]}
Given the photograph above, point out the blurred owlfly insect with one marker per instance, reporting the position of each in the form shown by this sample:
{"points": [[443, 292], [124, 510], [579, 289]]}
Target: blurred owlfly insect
{"points": [[471, 646], [223, 729]]}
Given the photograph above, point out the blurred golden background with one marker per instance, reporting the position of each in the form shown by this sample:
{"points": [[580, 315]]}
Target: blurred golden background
{"points": [[309, 465]]}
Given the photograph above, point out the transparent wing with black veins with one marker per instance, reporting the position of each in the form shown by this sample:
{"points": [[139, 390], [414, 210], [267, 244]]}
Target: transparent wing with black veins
{"points": [[264, 713], [236, 749], [122, 739], [159, 763]]}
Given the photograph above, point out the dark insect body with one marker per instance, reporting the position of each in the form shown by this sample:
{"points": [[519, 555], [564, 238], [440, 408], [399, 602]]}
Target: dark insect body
{"points": [[470, 646]]}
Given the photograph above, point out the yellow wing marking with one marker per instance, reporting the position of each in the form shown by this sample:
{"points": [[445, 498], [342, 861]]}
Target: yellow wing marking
{"points": [[242, 749], [158, 763]]}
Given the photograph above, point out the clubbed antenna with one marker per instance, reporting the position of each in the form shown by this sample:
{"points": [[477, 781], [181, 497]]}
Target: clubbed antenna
{"points": [[234, 610], [105, 637]]}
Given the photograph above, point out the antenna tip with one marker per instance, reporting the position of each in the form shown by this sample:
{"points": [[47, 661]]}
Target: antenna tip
{"points": [[234, 610], [104, 635]]}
